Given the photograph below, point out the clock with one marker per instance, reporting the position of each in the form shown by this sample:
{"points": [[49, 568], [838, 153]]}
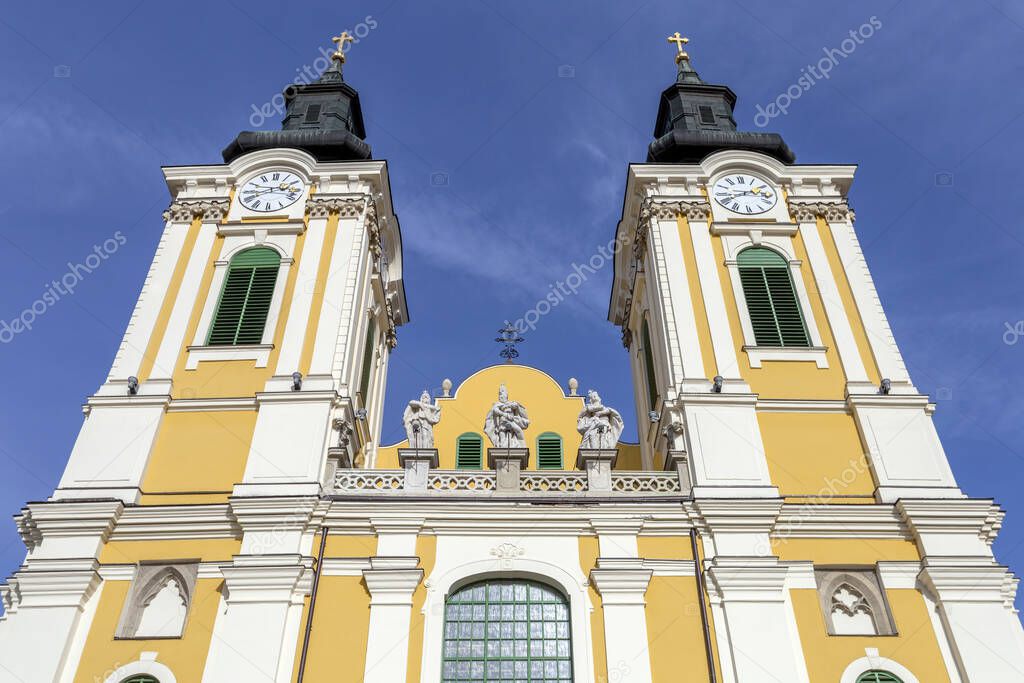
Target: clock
{"points": [[744, 193], [271, 191]]}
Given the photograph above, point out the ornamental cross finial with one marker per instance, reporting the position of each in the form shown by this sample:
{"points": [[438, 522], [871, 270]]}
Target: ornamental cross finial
{"points": [[679, 41], [509, 337], [339, 54]]}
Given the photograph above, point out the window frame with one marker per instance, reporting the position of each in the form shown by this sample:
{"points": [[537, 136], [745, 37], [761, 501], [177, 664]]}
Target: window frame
{"points": [[233, 266], [782, 245], [479, 440], [561, 451], [199, 350]]}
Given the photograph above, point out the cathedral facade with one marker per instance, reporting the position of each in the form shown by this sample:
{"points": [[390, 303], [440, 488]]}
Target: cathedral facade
{"points": [[228, 512]]}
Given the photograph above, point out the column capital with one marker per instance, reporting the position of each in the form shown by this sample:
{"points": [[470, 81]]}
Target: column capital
{"points": [[953, 528], [267, 579], [73, 522], [751, 579], [979, 583], [391, 586], [621, 585]]}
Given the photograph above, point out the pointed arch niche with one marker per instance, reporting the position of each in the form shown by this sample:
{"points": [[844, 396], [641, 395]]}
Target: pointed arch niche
{"points": [[853, 603], [159, 601]]}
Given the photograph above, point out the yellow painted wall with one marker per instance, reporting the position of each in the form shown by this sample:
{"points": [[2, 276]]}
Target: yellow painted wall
{"points": [[588, 560], [696, 297], [341, 624], [845, 551], [816, 454], [914, 646], [664, 547], [198, 452], [204, 549], [674, 630], [548, 408], [185, 656]]}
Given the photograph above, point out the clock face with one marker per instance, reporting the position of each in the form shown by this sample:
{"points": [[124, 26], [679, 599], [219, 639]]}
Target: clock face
{"points": [[744, 193], [271, 191]]}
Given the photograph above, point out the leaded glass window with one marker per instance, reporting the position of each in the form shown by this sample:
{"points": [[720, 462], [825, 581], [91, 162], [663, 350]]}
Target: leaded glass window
{"points": [[507, 630], [877, 677]]}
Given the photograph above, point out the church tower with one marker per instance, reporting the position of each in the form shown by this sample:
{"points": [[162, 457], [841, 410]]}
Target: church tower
{"points": [[253, 365], [763, 360]]}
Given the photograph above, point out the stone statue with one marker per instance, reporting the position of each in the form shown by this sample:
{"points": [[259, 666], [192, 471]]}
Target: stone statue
{"points": [[599, 424], [506, 421], [419, 419]]}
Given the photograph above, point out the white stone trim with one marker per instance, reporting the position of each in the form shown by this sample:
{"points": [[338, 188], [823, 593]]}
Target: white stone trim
{"points": [[722, 341], [828, 290], [146, 664], [759, 354], [669, 292], [154, 290], [174, 334], [256, 352], [872, 660], [295, 330]]}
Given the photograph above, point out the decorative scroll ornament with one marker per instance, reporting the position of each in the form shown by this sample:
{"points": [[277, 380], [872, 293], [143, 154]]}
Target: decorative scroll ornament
{"points": [[507, 551], [345, 207], [807, 211], [205, 209]]}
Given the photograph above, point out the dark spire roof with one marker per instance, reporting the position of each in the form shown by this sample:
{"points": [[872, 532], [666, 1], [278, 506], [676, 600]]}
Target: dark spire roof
{"points": [[695, 119], [323, 118]]}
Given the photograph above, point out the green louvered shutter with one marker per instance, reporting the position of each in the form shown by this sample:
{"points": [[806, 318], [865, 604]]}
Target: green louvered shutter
{"points": [[364, 380], [245, 300], [652, 383], [469, 452], [878, 677], [771, 298], [549, 451]]}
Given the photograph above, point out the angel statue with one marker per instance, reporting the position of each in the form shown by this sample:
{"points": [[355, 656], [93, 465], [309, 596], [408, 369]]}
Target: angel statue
{"points": [[599, 424], [419, 419], [506, 421]]}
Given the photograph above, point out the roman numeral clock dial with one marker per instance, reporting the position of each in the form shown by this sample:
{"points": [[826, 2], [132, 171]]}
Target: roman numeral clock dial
{"points": [[745, 194], [271, 191]]}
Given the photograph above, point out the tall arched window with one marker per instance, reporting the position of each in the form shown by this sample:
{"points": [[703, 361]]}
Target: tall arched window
{"points": [[245, 300], [506, 630], [652, 382], [549, 451], [774, 308], [469, 452], [878, 676]]}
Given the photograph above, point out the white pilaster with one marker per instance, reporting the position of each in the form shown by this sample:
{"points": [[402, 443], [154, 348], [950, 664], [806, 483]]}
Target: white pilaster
{"points": [[714, 303], [625, 622], [252, 634], [839, 322], [391, 582], [295, 330]]}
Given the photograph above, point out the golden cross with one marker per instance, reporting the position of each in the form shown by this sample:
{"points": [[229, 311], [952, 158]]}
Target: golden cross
{"points": [[679, 41], [339, 54]]}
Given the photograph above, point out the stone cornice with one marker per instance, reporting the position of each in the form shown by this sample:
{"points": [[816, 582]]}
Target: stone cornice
{"points": [[186, 210], [807, 210], [320, 206], [982, 518], [38, 521]]}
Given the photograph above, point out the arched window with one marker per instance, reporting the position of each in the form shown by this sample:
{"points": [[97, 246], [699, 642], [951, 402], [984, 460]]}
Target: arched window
{"points": [[878, 676], [245, 300], [775, 314], [469, 452], [549, 451], [140, 679], [652, 382], [501, 630]]}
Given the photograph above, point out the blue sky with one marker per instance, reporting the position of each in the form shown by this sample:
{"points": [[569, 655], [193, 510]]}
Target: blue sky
{"points": [[99, 95]]}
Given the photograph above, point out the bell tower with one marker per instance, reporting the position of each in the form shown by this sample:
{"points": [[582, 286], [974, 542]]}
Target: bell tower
{"points": [[764, 367], [253, 366]]}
